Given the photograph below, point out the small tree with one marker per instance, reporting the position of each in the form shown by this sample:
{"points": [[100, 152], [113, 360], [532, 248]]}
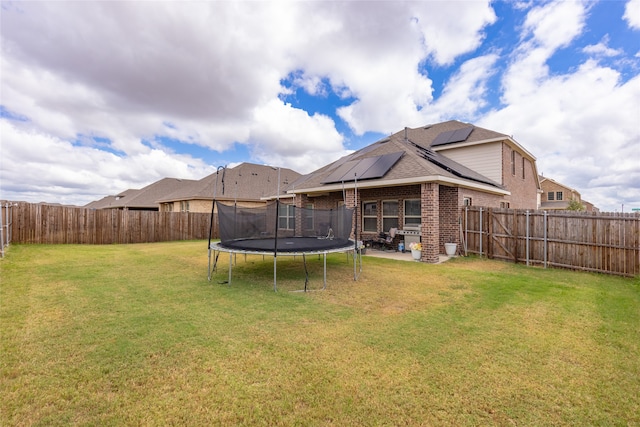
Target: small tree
{"points": [[575, 205]]}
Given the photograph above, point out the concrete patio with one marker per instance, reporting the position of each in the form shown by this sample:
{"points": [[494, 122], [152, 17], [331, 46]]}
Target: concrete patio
{"points": [[406, 256]]}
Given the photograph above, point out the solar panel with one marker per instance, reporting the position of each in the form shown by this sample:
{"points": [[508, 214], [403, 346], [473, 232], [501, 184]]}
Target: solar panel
{"points": [[452, 136], [443, 138], [382, 166], [368, 168], [461, 134], [361, 168], [342, 170]]}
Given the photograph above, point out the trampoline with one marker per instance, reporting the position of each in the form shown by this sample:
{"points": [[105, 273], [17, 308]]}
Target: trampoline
{"points": [[282, 230]]}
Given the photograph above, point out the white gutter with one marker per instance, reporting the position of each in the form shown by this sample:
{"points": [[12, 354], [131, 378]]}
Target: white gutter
{"points": [[282, 196], [445, 180]]}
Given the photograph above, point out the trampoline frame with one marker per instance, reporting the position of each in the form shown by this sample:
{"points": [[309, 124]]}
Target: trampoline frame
{"points": [[215, 248]]}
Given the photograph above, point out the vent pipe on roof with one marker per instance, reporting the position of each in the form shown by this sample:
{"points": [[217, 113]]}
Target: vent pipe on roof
{"points": [[405, 134]]}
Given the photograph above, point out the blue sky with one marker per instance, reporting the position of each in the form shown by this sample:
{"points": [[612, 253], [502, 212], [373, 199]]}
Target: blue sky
{"points": [[100, 97]]}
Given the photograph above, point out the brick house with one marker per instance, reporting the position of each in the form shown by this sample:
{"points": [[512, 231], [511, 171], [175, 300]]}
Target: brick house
{"points": [[416, 181], [557, 196], [247, 184], [144, 199]]}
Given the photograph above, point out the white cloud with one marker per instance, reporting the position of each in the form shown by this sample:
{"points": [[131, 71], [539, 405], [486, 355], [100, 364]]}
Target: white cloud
{"points": [[289, 137], [452, 28], [555, 24], [602, 49], [465, 92], [547, 28], [209, 74], [632, 14], [36, 167], [581, 125]]}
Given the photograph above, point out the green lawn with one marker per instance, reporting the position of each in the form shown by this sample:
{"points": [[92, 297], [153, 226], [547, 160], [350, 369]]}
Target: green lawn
{"points": [[136, 335]]}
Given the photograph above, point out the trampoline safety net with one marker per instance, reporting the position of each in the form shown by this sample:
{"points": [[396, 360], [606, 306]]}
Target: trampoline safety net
{"points": [[283, 228]]}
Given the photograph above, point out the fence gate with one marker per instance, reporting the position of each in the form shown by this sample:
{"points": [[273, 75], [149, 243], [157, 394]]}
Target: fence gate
{"points": [[502, 243]]}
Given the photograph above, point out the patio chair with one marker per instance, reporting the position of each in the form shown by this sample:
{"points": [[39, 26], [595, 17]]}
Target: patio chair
{"points": [[386, 239]]}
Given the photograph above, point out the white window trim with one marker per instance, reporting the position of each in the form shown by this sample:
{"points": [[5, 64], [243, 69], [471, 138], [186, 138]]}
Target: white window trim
{"points": [[289, 216], [396, 216], [405, 216], [364, 202]]}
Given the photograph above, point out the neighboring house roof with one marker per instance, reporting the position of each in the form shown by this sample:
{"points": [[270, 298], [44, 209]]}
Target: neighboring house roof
{"points": [[245, 182], [418, 162], [112, 201], [145, 198], [544, 179]]}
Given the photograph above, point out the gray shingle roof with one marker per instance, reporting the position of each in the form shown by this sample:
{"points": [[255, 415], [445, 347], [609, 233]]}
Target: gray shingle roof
{"points": [[247, 181], [145, 198], [419, 159]]}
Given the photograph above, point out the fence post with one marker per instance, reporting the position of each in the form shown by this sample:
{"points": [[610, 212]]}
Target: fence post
{"points": [[466, 229], [527, 238], [1, 233], [480, 232], [545, 239], [10, 223], [490, 219], [515, 236]]}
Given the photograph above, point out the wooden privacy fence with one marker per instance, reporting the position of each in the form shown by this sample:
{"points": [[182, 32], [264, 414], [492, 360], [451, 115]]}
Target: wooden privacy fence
{"points": [[50, 224], [604, 243]]}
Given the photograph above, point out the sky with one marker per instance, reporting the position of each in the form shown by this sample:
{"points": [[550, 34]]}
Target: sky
{"points": [[100, 97]]}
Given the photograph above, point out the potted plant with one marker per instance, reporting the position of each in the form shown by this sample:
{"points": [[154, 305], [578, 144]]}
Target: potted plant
{"points": [[416, 250], [450, 248]]}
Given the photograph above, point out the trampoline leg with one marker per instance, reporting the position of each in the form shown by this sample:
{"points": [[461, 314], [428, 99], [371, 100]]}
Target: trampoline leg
{"points": [[209, 268], [275, 287], [230, 266], [355, 255], [325, 271]]}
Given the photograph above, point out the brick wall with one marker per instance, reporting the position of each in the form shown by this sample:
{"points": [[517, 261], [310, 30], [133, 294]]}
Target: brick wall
{"points": [[440, 206], [567, 193], [524, 191], [430, 227], [450, 203], [479, 198]]}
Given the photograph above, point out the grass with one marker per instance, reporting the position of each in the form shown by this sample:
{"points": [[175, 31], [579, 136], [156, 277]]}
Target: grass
{"points": [[136, 335]]}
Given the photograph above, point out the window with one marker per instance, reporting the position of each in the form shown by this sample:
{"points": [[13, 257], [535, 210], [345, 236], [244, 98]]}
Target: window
{"points": [[389, 214], [466, 201], [308, 217], [184, 206], [551, 195], [504, 205], [369, 216], [524, 162], [558, 195], [286, 217], [513, 162], [412, 214]]}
